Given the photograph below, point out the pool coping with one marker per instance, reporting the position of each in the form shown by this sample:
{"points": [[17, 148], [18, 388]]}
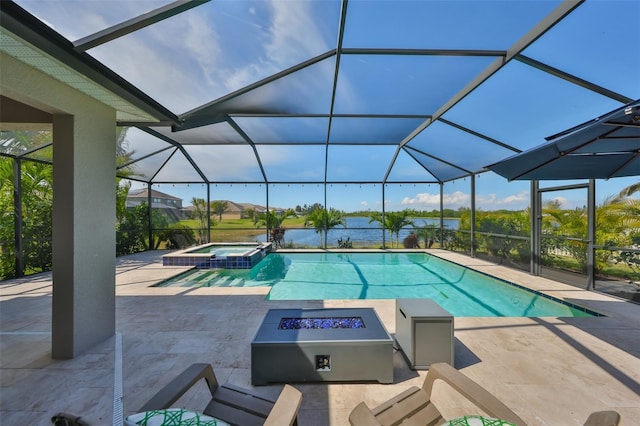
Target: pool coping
{"points": [[530, 290]]}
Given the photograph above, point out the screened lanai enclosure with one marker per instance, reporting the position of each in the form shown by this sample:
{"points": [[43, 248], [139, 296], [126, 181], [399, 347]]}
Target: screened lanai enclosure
{"points": [[397, 119]]}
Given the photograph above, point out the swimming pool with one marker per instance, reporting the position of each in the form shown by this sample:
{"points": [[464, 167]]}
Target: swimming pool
{"points": [[356, 275]]}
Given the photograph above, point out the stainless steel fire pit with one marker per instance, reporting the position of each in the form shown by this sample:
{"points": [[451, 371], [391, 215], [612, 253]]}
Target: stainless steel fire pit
{"points": [[321, 345]]}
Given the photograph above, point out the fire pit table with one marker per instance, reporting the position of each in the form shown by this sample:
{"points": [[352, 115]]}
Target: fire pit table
{"points": [[321, 345]]}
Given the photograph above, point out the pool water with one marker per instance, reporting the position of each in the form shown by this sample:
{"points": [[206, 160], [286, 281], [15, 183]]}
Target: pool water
{"points": [[224, 250], [353, 275]]}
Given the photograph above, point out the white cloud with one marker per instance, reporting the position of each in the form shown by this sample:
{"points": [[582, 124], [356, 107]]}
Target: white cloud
{"points": [[456, 199], [491, 201], [563, 202], [166, 59], [517, 198], [421, 199], [198, 32], [293, 30], [426, 200]]}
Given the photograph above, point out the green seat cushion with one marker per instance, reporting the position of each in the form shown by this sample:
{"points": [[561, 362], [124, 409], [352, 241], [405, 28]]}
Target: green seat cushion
{"points": [[477, 421], [172, 417]]}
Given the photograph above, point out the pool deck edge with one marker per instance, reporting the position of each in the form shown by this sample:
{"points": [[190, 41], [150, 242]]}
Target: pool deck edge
{"points": [[551, 371]]}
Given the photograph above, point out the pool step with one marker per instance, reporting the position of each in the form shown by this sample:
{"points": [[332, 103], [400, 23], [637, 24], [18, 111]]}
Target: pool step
{"points": [[208, 278], [203, 279], [225, 281], [190, 279], [238, 282], [221, 281]]}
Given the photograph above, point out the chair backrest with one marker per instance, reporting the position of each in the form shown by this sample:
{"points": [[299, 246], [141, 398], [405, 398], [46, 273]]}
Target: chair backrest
{"points": [[415, 405], [470, 390], [603, 418]]}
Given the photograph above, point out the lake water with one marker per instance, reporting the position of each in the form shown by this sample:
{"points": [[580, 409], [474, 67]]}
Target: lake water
{"points": [[358, 230]]}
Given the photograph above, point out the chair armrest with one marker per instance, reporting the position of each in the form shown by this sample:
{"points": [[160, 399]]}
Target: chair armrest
{"points": [[177, 387], [470, 390], [285, 410], [412, 392], [361, 415], [603, 418]]}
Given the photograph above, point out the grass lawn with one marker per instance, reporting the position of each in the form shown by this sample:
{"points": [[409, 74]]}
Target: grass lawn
{"points": [[240, 229]]}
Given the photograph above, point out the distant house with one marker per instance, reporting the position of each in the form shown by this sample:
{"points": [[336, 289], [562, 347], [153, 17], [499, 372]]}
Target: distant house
{"points": [[236, 210], [241, 210], [171, 205]]}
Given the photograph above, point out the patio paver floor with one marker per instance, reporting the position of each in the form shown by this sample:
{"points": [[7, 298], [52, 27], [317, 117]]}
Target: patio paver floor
{"points": [[551, 371]]}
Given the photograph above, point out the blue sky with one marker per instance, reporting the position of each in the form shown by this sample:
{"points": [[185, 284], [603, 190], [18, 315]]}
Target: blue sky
{"points": [[222, 46]]}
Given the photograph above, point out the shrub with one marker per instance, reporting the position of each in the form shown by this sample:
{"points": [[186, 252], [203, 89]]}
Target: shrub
{"points": [[411, 241]]}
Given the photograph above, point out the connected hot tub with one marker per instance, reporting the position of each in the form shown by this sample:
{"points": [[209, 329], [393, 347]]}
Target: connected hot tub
{"points": [[321, 345], [220, 255]]}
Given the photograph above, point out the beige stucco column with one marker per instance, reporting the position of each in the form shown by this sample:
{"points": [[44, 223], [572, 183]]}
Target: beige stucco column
{"points": [[84, 138], [83, 231]]}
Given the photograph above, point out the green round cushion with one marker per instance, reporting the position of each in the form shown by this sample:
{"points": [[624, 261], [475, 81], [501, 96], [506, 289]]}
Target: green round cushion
{"points": [[172, 417], [478, 421]]}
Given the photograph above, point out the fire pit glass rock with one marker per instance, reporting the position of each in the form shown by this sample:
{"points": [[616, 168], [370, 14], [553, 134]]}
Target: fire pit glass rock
{"points": [[320, 323]]}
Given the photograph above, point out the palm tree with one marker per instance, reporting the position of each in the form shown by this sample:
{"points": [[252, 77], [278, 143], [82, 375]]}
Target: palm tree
{"points": [[628, 191], [200, 213], [397, 221], [122, 192], [322, 220], [429, 234], [378, 217], [219, 207], [617, 222], [37, 202], [273, 222], [563, 229], [271, 219], [393, 221], [124, 169], [37, 210], [618, 225]]}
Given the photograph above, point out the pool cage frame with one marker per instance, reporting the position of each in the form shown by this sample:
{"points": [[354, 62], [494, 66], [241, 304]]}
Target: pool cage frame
{"points": [[535, 263], [33, 31]]}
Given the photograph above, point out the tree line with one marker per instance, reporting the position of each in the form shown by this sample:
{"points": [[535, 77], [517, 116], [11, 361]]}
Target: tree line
{"points": [[564, 230]]}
